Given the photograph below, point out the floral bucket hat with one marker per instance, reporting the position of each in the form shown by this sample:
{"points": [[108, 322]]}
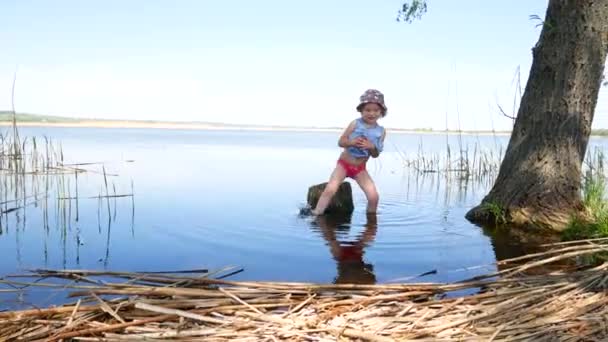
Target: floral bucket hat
{"points": [[372, 96]]}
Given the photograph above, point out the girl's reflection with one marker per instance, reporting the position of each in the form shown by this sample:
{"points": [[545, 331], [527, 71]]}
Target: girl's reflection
{"points": [[348, 254]]}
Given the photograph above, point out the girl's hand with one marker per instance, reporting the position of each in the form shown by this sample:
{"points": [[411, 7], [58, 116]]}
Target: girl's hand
{"points": [[365, 144], [356, 142]]}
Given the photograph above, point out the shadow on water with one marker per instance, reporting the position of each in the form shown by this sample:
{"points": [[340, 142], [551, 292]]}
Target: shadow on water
{"points": [[348, 253], [511, 242]]}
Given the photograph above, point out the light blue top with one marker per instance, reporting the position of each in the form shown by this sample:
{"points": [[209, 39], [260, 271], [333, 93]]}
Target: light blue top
{"points": [[373, 134]]}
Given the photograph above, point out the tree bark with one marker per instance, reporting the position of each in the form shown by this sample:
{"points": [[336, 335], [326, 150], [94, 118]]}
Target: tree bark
{"points": [[539, 180], [341, 203]]}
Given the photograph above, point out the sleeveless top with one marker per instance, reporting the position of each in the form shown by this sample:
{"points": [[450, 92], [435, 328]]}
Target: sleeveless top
{"points": [[373, 134]]}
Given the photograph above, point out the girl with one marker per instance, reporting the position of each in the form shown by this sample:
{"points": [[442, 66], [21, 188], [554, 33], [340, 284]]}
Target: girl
{"points": [[361, 139]]}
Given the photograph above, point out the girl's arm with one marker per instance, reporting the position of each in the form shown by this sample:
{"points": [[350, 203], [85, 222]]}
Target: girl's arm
{"points": [[374, 151], [344, 140]]}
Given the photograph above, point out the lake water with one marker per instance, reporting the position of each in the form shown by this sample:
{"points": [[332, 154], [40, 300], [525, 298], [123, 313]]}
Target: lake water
{"points": [[210, 199]]}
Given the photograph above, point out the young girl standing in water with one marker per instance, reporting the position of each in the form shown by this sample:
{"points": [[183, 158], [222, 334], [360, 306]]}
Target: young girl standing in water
{"points": [[363, 138]]}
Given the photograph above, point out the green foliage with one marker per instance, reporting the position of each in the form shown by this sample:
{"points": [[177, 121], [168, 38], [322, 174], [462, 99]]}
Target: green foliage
{"points": [[593, 194], [537, 18], [594, 200], [546, 24], [497, 211], [600, 132], [580, 230], [412, 10]]}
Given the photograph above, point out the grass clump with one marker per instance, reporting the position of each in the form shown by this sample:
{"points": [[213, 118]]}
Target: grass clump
{"points": [[596, 206], [497, 211]]}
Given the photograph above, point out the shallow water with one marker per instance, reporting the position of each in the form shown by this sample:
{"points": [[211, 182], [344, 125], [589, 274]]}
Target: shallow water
{"points": [[208, 199]]}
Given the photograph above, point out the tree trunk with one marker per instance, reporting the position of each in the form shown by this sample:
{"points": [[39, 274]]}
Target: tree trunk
{"points": [[539, 181], [341, 203]]}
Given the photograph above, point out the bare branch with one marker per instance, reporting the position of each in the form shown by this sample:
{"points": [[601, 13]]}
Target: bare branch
{"points": [[503, 112]]}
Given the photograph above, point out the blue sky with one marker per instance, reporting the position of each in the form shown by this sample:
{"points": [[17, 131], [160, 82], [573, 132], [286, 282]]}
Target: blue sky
{"points": [[268, 61]]}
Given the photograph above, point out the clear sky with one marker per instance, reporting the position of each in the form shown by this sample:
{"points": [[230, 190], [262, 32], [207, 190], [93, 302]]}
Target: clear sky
{"points": [[268, 61]]}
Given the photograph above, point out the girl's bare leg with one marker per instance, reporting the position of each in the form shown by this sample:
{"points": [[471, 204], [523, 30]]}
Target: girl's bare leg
{"points": [[369, 188], [336, 178]]}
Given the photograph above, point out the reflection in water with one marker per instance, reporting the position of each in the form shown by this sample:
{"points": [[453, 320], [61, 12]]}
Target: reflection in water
{"points": [[348, 254], [511, 242], [56, 216]]}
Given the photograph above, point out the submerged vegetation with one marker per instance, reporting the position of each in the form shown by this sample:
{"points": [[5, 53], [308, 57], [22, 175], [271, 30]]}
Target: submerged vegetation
{"points": [[479, 165], [476, 163], [36, 180]]}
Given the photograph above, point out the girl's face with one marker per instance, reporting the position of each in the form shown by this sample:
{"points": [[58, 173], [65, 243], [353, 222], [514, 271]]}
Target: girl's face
{"points": [[371, 112]]}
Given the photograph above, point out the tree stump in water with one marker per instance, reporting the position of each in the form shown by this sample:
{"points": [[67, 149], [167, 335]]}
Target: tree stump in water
{"points": [[341, 203]]}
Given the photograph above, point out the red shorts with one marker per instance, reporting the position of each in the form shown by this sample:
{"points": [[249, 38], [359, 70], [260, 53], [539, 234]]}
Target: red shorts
{"points": [[350, 253], [351, 170]]}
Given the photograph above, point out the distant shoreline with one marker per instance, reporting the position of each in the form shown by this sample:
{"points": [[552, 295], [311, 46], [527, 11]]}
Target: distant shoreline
{"points": [[220, 127], [37, 120]]}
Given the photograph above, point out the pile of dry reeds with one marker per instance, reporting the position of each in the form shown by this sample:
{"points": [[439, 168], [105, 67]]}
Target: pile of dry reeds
{"points": [[510, 305]]}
